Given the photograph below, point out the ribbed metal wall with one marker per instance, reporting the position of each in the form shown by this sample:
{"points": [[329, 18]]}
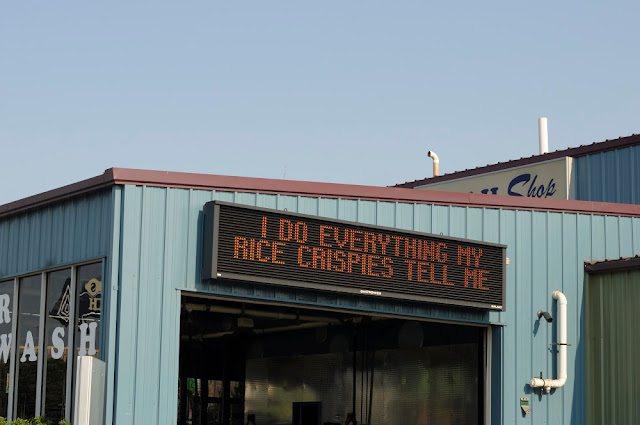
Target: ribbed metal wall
{"points": [[161, 238], [612, 176], [55, 235], [613, 347]]}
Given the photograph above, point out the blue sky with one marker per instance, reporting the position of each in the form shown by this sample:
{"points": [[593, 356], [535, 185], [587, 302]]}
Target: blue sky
{"points": [[335, 91]]}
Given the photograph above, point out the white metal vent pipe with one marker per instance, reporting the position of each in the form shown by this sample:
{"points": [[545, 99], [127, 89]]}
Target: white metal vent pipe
{"points": [[436, 163], [543, 135], [547, 384]]}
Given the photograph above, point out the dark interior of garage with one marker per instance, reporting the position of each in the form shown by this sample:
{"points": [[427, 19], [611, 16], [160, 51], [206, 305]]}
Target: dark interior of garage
{"points": [[259, 364]]}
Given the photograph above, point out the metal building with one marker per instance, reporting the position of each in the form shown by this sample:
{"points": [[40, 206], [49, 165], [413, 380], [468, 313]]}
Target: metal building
{"points": [[602, 172], [202, 315]]}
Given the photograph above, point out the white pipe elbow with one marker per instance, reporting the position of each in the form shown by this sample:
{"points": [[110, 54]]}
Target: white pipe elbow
{"points": [[560, 297], [547, 384], [436, 163], [557, 383]]}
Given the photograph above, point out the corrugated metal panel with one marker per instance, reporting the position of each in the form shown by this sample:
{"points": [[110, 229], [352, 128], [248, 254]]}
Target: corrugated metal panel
{"points": [[386, 213], [348, 209], [110, 303], [161, 236], [308, 206], [152, 231], [440, 219], [585, 251], [612, 176], [156, 231], [613, 347], [626, 234], [572, 270], [504, 372], [404, 216], [539, 256], [422, 218], [520, 313], [128, 299], [458, 226], [328, 208], [367, 212], [58, 234]]}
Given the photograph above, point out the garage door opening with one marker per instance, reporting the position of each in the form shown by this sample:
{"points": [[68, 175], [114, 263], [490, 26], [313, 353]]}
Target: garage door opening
{"points": [[249, 363]]}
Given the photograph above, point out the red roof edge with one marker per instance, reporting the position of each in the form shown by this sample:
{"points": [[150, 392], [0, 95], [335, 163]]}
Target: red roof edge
{"points": [[612, 265], [125, 176], [61, 193]]}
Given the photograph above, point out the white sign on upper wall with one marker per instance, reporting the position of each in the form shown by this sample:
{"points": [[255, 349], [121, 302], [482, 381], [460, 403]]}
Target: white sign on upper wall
{"points": [[550, 179]]}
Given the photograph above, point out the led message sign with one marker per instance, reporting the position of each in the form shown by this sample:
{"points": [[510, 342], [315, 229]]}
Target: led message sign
{"points": [[268, 246]]}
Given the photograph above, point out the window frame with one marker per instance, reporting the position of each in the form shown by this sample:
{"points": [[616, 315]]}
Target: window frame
{"points": [[42, 351]]}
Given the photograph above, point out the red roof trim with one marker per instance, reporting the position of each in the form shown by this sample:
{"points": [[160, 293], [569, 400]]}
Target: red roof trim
{"points": [[124, 176], [61, 193], [584, 150]]}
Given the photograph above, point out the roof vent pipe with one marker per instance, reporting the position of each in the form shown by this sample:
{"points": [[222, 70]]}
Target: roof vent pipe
{"points": [[543, 135], [436, 163], [547, 384]]}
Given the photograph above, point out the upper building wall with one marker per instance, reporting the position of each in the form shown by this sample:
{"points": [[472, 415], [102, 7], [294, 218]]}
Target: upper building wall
{"points": [[161, 235], [56, 234], [612, 176]]}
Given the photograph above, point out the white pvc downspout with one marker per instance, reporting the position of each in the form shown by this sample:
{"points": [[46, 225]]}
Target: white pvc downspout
{"points": [[436, 163], [547, 384]]}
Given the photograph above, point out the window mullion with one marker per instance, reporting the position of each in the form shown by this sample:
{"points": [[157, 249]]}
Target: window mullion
{"points": [[71, 348], [13, 378], [42, 351]]}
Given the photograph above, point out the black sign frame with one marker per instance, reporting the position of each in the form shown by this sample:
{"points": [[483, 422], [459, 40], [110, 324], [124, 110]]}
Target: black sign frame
{"points": [[214, 265]]}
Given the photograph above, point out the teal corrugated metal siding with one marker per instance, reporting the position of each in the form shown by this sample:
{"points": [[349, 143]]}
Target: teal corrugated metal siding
{"points": [[160, 253], [58, 234], [612, 176]]}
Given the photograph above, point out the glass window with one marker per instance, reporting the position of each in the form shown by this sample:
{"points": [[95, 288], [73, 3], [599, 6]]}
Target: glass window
{"points": [[44, 385], [215, 388], [236, 390], [89, 290], [214, 413], [194, 400], [6, 311], [28, 345], [57, 344]]}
